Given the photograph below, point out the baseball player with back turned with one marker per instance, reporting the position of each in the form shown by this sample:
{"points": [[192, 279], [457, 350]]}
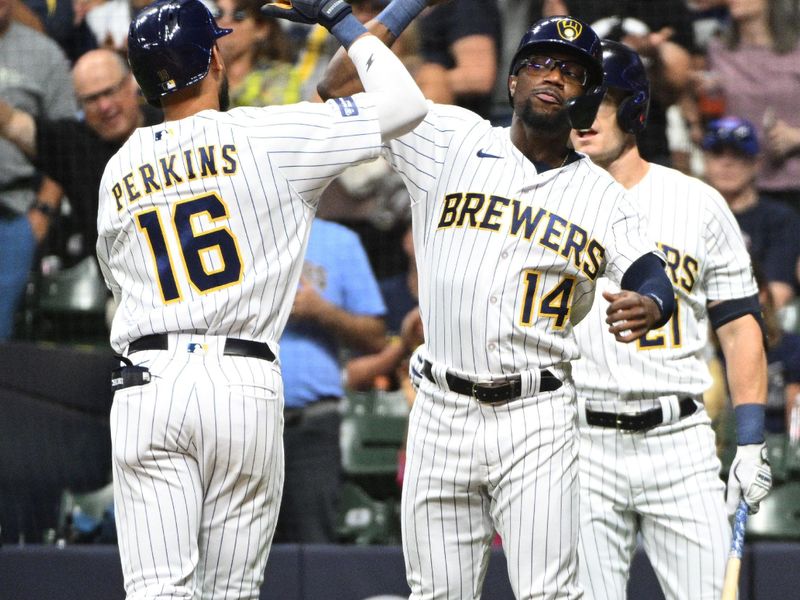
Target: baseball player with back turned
{"points": [[648, 462], [511, 231], [203, 223]]}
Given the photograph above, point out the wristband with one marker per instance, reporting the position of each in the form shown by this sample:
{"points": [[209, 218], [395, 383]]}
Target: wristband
{"points": [[347, 30], [399, 14], [749, 424]]}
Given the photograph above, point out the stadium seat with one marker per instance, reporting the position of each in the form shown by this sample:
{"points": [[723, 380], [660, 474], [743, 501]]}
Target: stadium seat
{"points": [[370, 444], [87, 516], [364, 520], [778, 518], [71, 304], [372, 434]]}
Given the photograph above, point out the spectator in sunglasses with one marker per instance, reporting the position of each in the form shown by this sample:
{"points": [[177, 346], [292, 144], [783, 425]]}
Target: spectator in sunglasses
{"points": [[258, 54]]}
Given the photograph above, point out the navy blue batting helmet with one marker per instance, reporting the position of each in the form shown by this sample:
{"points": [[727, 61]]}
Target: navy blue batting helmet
{"points": [[169, 46], [562, 34], [624, 71], [571, 36]]}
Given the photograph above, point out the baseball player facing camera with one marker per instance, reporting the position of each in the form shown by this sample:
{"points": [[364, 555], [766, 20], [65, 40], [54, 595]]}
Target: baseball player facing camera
{"points": [[648, 462], [203, 223], [512, 231]]}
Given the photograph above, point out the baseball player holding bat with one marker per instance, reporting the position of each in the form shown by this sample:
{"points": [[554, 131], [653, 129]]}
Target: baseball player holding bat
{"points": [[511, 232], [203, 223], [648, 462]]}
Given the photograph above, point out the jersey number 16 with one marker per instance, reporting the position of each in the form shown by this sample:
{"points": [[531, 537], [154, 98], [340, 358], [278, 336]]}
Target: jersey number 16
{"points": [[210, 257]]}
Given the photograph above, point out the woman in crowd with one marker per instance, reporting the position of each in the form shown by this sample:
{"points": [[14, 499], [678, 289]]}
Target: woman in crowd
{"points": [[757, 64]]}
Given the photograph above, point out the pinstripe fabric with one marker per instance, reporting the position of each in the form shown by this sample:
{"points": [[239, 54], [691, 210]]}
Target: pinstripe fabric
{"points": [[285, 157], [663, 483], [202, 226], [471, 468], [198, 472], [493, 239], [471, 276]]}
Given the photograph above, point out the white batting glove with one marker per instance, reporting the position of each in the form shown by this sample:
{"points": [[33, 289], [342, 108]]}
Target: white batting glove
{"points": [[415, 365], [750, 477]]}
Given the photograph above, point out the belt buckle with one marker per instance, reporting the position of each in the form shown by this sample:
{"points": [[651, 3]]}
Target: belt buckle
{"points": [[492, 387], [621, 425], [483, 392]]}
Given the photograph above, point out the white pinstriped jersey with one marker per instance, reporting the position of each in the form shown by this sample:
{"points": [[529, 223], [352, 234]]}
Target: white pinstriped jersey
{"points": [[706, 260], [201, 221], [508, 258]]}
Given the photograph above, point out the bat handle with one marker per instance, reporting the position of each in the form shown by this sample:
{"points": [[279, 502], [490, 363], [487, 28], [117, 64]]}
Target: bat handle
{"points": [[739, 522], [730, 586]]}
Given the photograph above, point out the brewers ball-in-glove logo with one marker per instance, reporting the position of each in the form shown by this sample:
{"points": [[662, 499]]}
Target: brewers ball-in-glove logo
{"points": [[569, 29]]}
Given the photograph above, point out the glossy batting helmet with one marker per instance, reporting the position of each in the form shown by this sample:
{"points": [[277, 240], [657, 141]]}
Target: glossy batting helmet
{"points": [[624, 71], [562, 34], [169, 46], [571, 36]]}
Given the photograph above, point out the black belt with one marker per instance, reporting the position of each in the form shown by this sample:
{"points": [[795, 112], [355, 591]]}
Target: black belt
{"points": [[509, 389], [637, 421], [233, 346]]}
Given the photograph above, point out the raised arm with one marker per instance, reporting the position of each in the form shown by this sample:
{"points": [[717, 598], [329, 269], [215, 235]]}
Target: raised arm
{"points": [[341, 78], [19, 128], [399, 101]]}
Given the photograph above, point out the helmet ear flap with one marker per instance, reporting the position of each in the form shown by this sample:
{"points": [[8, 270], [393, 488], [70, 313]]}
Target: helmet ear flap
{"points": [[582, 110], [632, 112]]}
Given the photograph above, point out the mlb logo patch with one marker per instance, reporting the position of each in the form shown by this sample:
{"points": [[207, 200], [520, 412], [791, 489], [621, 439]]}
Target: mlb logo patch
{"points": [[161, 133], [194, 347], [347, 106]]}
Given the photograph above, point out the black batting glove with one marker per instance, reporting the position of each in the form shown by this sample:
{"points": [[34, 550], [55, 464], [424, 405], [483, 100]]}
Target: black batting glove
{"points": [[325, 12]]}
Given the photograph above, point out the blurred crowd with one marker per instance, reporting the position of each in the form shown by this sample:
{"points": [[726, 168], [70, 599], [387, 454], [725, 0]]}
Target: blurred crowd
{"points": [[725, 108]]}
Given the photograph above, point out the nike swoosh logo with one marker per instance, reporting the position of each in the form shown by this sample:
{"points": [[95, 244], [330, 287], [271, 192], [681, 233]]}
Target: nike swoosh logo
{"points": [[482, 154]]}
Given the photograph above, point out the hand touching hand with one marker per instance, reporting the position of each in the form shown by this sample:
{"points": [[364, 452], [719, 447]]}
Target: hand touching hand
{"points": [[630, 315]]}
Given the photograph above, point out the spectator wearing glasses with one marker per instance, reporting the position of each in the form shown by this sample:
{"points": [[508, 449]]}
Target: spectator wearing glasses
{"points": [[33, 78], [732, 163], [258, 56], [75, 152]]}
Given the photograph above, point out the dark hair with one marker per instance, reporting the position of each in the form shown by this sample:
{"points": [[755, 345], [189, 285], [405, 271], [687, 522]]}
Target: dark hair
{"points": [[276, 46], [783, 21]]}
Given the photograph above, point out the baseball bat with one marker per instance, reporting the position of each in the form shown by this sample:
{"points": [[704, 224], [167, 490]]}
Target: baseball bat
{"points": [[731, 584]]}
